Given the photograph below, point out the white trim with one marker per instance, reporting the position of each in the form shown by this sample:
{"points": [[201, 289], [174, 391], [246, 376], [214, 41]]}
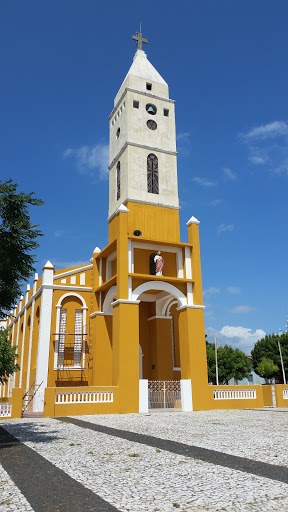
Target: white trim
{"points": [[186, 395], [107, 307], [176, 369], [143, 395], [70, 295], [190, 294], [100, 272], [191, 306], [163, 317], [192, 220], [130, 288], [76, 288], [70, 272], [188, 267], [235, 394], [96, 313], [160, 285], [129, 256], [44, 339], [124, 301], [82, 279]]}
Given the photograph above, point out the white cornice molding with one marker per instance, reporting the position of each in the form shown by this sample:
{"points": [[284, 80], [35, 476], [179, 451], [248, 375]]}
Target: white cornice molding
{"points": [[162, 317], [71, 272], [142, 146], [149, 95], [96, 313], [124, 301], [191, 306], [192, 220]]}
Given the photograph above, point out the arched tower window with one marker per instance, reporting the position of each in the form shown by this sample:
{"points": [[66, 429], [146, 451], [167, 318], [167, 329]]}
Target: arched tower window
{"points": [[152, 174], [118, 181]]}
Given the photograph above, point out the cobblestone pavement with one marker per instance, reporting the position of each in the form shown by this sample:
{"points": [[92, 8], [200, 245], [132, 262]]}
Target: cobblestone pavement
{"points": [[135, 477]]}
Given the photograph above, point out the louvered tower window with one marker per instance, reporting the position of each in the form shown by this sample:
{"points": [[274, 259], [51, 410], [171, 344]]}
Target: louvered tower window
{"points": [[118, 181], [152, 174]]}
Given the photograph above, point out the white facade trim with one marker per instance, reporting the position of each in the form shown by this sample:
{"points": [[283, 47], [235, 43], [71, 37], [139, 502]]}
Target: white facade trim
{"points": [[143, 395], [163, 317], [70, 295], [186, 395], [100, 271], [110, 297], [160, 285], [188, 267], [190, 294], [191, 306], [109, 260], [124, 301], [97, 313], [70, 272]]}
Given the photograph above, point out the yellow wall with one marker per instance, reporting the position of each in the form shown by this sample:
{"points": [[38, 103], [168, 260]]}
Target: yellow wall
{"points": [[281, 402], [257, 402], [155, 222]]}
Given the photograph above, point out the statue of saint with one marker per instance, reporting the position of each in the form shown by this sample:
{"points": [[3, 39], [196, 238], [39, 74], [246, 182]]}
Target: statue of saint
{"points": [[159, 264]]}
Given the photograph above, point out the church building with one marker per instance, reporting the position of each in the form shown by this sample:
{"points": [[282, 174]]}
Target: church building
{"points": [[124, 333]]}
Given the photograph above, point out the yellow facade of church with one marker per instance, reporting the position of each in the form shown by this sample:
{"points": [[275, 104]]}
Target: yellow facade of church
{"points": [[90, 339]]}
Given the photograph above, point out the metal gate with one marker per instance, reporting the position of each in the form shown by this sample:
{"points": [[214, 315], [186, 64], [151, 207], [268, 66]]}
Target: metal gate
{"points": [[164, 394]]}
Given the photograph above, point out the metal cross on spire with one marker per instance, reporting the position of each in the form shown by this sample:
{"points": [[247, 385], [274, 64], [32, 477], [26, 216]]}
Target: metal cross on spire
{"points": [[139, 39]]}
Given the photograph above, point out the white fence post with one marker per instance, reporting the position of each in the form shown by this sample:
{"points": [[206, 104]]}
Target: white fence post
{"points": [[143, 395], [186, 395]]}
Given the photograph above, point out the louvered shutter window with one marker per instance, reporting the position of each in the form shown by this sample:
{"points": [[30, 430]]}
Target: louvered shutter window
{"points": [[152, 174]]}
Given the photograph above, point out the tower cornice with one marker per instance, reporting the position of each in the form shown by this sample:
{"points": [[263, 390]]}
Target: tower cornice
{"points": [[149, 95], [142, 146]]}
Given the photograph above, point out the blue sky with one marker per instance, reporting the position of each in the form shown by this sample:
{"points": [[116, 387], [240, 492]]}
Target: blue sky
{"points": [[225, 61]]}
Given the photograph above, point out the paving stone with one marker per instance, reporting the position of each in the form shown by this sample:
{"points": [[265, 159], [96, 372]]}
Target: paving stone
{"points": [[153, 481]]}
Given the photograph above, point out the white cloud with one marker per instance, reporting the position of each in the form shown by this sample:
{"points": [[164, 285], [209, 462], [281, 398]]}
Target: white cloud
{"points": [[225, 227], [91, 160], [266, 131], [211, 291], [228, 174], [203, 182], [242, 309], [233, 290], [268, 144], [237, 337], [257, 160], [215, 202], [183, 136], [59, 233]]}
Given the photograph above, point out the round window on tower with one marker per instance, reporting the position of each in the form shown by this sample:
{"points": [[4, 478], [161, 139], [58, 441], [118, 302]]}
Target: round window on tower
{"points": [[118, 133], [151, 109], [151, 124]]}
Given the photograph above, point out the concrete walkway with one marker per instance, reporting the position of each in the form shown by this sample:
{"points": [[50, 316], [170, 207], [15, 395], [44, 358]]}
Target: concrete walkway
{"points": [[207, 460]]}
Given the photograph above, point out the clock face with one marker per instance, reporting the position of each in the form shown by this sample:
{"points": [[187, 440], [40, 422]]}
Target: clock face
{"points": [[151, 124], [151, 109]]}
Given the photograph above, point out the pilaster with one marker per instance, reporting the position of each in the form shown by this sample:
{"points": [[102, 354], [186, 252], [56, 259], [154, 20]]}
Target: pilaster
{"points": [[193, 237], [44, 336]]}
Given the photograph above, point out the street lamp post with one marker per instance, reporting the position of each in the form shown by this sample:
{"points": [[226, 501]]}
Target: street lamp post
{"points": [[281, 358]]}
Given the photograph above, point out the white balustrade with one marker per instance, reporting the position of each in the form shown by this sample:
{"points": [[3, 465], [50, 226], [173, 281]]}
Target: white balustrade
{"points": [[84, 397], [234, 394], [285, 394], [5, 409]]}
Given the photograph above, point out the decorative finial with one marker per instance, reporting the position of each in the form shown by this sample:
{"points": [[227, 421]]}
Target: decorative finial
{"points": [[140, 40]]}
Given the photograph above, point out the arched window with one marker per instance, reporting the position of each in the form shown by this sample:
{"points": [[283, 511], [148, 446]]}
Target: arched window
{"points": [[152, 174], [118, 181]]}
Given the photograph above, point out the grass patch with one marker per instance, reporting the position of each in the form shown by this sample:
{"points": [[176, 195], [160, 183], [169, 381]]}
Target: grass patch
{"points": [[133, 454]]}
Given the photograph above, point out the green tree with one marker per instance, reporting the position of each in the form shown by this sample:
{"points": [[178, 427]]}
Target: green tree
{"points": [[268, 347], [8, 356], [231, 363], [17, 240], [266, 368]]}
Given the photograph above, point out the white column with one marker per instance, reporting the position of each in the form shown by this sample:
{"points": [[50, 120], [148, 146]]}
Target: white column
{"points": [[23, 336], [44, 336], [143, 395], [186, 395]]}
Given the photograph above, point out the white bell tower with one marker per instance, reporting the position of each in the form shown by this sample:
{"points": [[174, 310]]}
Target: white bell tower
{"points": [[143, 157]]}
